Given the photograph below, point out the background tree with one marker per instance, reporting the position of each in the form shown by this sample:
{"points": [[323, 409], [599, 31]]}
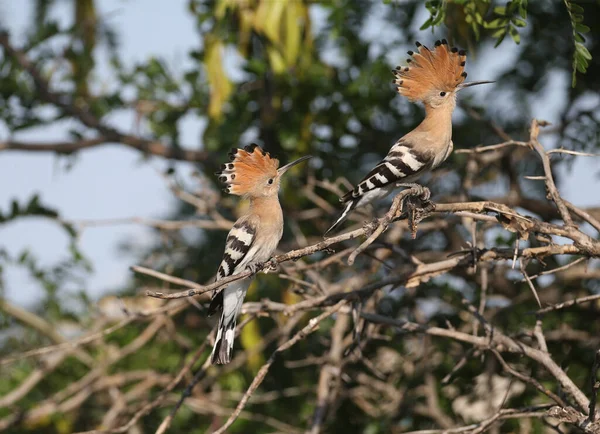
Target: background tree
{"points": [[439, 332]]}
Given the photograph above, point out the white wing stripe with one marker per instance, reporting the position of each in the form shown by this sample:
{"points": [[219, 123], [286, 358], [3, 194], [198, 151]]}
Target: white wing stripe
{"points": [[242, 235], [397, 173], [409, 159], [235, 254], [400, 149], [382, 178]]}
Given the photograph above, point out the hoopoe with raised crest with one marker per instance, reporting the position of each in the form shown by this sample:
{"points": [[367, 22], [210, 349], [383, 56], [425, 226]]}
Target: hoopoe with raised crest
{"points": [[433, 77], [254, 174]]}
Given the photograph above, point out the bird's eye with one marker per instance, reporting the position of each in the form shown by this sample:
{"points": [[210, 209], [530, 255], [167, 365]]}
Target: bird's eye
{"points": [[270, 181], [442, 93]]}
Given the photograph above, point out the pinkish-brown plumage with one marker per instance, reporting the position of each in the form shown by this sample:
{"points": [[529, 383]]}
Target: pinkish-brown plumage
{"points": [[440, 69], [252, 173], [433, 77], [249, 167]]}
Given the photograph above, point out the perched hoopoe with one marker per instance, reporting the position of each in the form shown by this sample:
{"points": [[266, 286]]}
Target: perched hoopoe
{"points": [[254, 237], [433, 78]]}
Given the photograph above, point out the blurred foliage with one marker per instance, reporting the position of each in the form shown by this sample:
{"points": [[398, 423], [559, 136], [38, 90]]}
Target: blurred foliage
{"points": [[505, 19], [298, 77], [582, 56]]}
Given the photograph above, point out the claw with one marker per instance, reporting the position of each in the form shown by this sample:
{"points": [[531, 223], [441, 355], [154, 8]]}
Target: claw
{"points": [[254, 268], [422, 191], [270, 266]]}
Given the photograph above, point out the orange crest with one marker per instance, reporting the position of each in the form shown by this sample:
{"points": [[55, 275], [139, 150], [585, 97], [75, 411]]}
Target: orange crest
{"points": [[248, 167], [440, 69]]}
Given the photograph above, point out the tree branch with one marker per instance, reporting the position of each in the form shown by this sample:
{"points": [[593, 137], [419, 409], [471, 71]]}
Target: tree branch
{"points": [[107, 133]]}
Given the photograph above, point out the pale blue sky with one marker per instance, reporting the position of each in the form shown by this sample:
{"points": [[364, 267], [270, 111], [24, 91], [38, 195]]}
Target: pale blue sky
{"points": [[105, 182], [114, 182]]}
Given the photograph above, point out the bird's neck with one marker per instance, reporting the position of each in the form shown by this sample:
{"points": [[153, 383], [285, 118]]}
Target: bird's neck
{"points": [[268, 209], [438, 122]]}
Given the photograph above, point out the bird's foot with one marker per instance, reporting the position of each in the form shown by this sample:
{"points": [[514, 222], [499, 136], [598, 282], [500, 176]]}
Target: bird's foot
{"points": [[270, 266], [255, 268], [423, 192], [266, 267]]}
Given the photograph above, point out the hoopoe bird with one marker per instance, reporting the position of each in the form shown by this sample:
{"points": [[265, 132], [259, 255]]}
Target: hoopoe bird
{"points": [[254, 174], [433, 77]]}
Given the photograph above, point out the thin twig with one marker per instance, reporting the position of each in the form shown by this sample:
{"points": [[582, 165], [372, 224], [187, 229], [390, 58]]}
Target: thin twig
{"points": [[568, 303], [107, 133], [550, 186], [308, 329], [508, 413], [554, 270], [530, 283]]}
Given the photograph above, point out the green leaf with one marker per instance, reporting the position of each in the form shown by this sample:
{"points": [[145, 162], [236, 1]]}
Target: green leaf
{"points": [[426, 24], [475, 28], [515, 35], [523, 12], [499, 33], [495, 24], [500, 39], [584, 52], [438, 19], [575, 8], [519, 22], [581, 55], [478, 18]]}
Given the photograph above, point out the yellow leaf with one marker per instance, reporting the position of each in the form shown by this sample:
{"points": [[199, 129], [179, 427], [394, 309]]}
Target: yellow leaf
{"points": [[261, 16], [246, 20], [276, 60], [273, 24], [306, 57], [251, 338], [293, 28], [220, 86], [221, 8]]}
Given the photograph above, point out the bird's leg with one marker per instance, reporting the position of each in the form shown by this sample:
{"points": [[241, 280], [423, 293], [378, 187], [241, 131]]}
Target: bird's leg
{"points": [[270, 265], [422, 191], [255, 268], [417, 206]]}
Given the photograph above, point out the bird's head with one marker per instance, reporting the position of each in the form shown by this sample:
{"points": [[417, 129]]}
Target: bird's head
{"points": [[252, 172], [434, 76]]}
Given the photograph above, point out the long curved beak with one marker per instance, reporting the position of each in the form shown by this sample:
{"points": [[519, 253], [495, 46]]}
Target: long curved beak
{"points": [[473, 83], [285, 168]]}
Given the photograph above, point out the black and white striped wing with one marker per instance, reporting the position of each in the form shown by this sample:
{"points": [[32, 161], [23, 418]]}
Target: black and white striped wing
{"points": [[402, 164], [239, 242]]}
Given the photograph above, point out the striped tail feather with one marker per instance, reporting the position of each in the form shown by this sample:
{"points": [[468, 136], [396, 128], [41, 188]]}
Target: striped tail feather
{"points": [[350, 205], [223, 349], [230, 300]]}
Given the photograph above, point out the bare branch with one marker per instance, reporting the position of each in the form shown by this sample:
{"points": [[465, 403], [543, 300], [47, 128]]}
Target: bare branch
{"points": [[508, 413], [308, 329], [56, 147], [108, 134], [551, 187], [568, 303]]}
